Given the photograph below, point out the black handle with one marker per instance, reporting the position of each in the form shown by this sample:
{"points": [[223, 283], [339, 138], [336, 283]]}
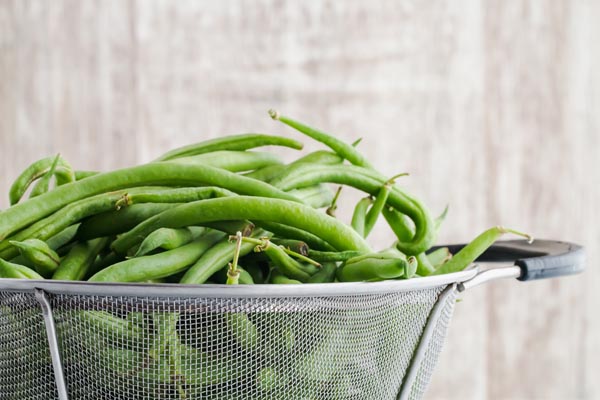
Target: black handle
{"points": [[538, 260]]}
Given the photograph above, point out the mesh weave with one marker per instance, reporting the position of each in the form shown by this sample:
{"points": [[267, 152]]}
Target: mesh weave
{"points": [[25, 364], [434, 349], [295, 348]]}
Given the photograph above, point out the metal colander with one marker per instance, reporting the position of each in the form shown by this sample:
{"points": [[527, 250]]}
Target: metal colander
{"points": [[80, 340]]}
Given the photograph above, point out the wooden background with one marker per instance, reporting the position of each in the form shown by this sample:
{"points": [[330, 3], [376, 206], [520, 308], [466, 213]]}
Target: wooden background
{"points": [[492, 106]]}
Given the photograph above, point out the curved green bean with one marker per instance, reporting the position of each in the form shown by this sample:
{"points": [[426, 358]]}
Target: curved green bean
{"points": [[359, 215], [160, 265], [377, 207], [44, 259], [153, 174], [17, 271], [246, 207], [343, 149], [473, 250], [165, 238], [36, 170], [370, 182], [43, 184], [234, 142], [78, 261]]}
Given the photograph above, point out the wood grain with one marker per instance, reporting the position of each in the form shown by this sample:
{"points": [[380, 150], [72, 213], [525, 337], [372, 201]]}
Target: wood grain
{"points": [[491, 106]]}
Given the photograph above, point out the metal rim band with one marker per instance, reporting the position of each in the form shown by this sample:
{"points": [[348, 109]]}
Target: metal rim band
{"points": [[238, 291]]}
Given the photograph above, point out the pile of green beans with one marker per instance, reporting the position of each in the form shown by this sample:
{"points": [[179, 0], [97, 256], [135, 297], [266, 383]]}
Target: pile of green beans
{"points": [[218, 212]]}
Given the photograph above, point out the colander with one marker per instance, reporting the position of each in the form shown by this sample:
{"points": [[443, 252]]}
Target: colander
{"points": [[379, 340]]}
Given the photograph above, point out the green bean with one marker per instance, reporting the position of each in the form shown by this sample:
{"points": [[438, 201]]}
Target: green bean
{"points": [[79, 175], [412, 267], [269, 379], [177, 195], [323, 157], [439, 256], [327, 256], [372, 269], [284, 263], [473, 250], [280, 279], [234, 161], [202, 370], [377, 207], [44, 259], [315, 196], [111, 327], [387, 254], [254, 269], [75, 265], [244, 278], [243, 330], [43, 184], [165, 238], [217, 258], [17, 271], [165, 325], [171, 173], [246, 207], [102, 262], [63, 237], [327, 357], [325, 275], [35, 171], [424, 267], [370, 182], [231, 227], [160, 265], [344, 150], [297, 246], [358, 217], [71, 213], [317, 157], [137, 318], [312, 240], [62, 219], [399, 224], [113, 222], [267, 173], [234, 142]]}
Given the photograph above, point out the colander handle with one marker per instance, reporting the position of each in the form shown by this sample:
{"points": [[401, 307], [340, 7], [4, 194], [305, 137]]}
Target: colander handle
{"points": [[538, 260]]}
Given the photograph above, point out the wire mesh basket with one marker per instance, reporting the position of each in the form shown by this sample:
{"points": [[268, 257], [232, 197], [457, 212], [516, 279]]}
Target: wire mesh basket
{"points": [[77, 340]]}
